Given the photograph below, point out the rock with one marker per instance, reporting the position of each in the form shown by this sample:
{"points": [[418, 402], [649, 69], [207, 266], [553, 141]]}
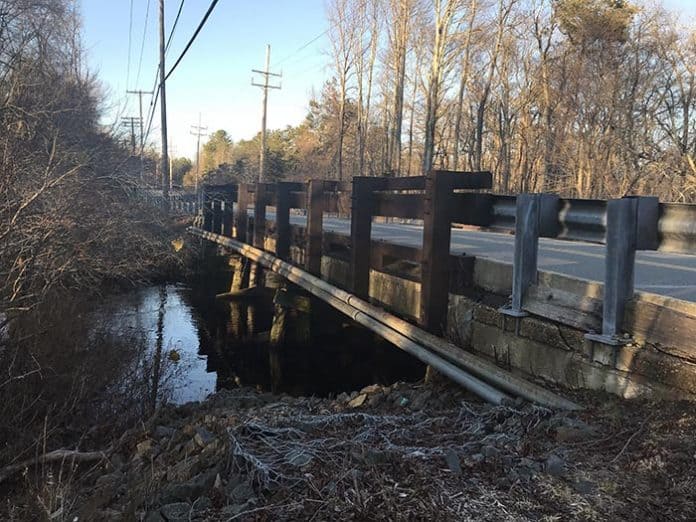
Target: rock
{"points": [[202, 504], [189, 490], [184, 470], [299, 459], [110, 479], [176, 512], [532, 465], [374, 457], [162, 432], [554, 465], [153, 516], [342, 398], [574, 431], [372, 388], [421, 399], [203, 437], [584, 487], [117, 461], [375, 398], [490, 452], [241, 493], [144, 448], [453, 462], [358, 401]]}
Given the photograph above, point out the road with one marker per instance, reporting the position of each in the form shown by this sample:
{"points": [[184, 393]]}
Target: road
{"points": [[657, 272]]}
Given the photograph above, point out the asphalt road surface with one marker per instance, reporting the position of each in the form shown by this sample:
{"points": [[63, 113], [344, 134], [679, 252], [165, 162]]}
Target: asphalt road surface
{"points": [[657, 272]]}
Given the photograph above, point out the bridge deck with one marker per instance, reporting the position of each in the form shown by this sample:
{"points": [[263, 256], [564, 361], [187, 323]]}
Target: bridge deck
{"points": [[673, 275]]}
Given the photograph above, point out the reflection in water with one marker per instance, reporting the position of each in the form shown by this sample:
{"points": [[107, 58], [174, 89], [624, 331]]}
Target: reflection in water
{"points": [[198, 344], [163, 316]]}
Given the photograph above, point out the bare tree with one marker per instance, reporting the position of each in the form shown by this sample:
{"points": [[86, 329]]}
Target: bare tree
{"points": [[445, 11]]}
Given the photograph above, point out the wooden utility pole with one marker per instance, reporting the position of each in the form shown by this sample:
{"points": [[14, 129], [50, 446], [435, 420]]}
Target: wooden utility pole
{"points": [[130, 122], [198, 131], [265, 86], [163, 110], [142, 137]]}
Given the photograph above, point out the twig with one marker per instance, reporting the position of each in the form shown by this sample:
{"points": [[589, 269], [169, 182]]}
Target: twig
{"points": [[640, 428], [52, 456]]}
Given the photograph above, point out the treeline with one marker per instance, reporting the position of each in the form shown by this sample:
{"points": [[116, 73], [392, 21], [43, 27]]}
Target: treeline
{"points": [[589, 98], [70, 227]]}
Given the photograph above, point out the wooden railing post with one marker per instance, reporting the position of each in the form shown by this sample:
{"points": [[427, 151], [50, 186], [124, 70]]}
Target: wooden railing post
{"points": [[207, 212], [436, 249], [315, 223], [260, 215], [217, 216], [227, 217], [283, 219], [362, 201], [240, 216]]}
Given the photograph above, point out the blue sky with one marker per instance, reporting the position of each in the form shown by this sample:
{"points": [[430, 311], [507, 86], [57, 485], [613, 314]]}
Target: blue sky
{"points": [[215, 76]]}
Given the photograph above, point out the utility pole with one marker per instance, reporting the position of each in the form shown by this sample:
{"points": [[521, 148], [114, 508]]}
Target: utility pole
{"points": [[198, 131], [130, 122], [163, 110], [265, 86], [142, 137]]}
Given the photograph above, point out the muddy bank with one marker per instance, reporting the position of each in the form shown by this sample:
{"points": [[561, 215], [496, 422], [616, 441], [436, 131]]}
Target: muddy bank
{"points": [[407, 451]]}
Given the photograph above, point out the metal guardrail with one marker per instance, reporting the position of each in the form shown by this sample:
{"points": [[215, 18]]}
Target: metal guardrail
{"points": [[583, 220], [676, 228]]}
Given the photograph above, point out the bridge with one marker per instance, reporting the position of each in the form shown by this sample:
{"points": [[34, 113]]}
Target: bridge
{"points": [[555, 300]]}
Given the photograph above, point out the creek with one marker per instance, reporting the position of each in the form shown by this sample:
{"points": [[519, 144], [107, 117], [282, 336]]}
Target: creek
{"points": [[200, 344]]}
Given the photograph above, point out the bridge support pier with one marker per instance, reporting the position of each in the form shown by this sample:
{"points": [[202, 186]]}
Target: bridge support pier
{"points": [[240, 274]]}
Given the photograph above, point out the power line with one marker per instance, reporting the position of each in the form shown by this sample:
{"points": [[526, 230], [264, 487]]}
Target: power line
{"points": [[130, 40], [302, 48], [142, 45], [176, 21], [193, 38], [156, 86]]}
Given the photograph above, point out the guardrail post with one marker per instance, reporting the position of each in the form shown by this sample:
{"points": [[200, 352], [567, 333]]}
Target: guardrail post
{"points": [[217, 216], [622, 219], [648, 215], [435, 259], [549, 224], [260, 215], [240, 216], [524, 267], [207, 212], [362, 202], [315, 223], [283, 219]]}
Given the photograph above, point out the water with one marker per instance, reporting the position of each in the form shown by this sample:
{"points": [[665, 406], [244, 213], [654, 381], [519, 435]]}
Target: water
{"points": [[206, 344], [163, 315]]}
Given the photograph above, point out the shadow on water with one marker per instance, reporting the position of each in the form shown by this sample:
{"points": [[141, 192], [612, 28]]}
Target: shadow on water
{"points": [[199, 344]]}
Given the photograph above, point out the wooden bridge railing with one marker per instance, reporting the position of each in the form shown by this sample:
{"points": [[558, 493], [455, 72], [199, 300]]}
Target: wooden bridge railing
{"points": [[439, 199]]}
